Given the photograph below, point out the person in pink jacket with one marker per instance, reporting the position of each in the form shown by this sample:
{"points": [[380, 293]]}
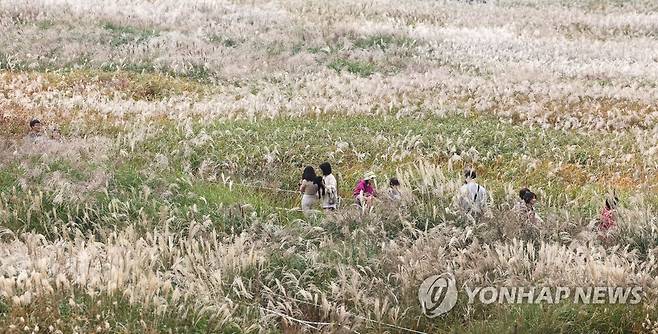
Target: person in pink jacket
{"points": [[365, 190], [608, 218]]}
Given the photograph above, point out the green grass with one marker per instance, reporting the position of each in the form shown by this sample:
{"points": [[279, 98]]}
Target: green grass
{"points": [[238, 149], [198, 73], [192, 71], [9, 178], [4, 307], [88, 313], [325, 252], [383, 42], [67, 169], [45, 24], [309, 141], [222, 40], [121, 34], [360, 68], [136, 85], [562, 318]]}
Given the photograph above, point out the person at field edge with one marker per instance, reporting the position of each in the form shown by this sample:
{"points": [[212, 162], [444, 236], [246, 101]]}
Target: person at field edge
{"points": [[309, 188], [608, 219], [472, 196], [393, 191], [365, 191], [35, 130], [329, 194]]}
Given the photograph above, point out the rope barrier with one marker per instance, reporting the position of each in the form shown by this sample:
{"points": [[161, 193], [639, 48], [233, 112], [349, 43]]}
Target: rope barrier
{"points": [[255, 186], [315, 324], [258, 186], [355, 315], [267, 188], [310, 324]]}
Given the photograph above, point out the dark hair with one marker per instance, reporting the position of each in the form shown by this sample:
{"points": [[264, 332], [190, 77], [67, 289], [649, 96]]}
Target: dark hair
{"points": [[522, 192], [34, 122], [611, 203], [529, 196], [309, 174], [393, 182], [318, 182], [470, 174], [326, 168]]}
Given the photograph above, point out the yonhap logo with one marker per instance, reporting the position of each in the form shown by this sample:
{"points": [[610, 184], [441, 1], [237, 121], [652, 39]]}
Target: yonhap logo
{"points": [[438, 294]]}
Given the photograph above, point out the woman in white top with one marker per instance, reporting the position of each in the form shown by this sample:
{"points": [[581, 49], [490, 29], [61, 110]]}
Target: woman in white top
{"points": [[329, 193], [473, 198], [309, 187]]}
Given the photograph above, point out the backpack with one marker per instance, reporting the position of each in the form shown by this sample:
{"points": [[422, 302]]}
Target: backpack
{"points": [[331, 193], [473, 204]]}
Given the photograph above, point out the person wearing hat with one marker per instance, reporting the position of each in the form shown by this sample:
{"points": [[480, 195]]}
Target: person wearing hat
{"points": [[365, 190]]}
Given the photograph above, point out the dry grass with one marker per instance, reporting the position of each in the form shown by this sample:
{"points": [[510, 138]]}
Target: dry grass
{"points": [[136, 221]]}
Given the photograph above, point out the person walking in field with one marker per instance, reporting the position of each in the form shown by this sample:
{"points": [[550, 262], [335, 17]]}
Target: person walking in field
{"points": [[330, 194], [365, 191], [527, 210], [608, 219], [473, 198], [531, 223], [309, 186]]}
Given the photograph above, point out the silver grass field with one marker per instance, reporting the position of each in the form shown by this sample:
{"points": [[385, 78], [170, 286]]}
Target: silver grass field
{"points": [[170, 203]]}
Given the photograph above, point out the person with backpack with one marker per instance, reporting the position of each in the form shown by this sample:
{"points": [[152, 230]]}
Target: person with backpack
{"points": [[330, 194], [473, 198]]}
